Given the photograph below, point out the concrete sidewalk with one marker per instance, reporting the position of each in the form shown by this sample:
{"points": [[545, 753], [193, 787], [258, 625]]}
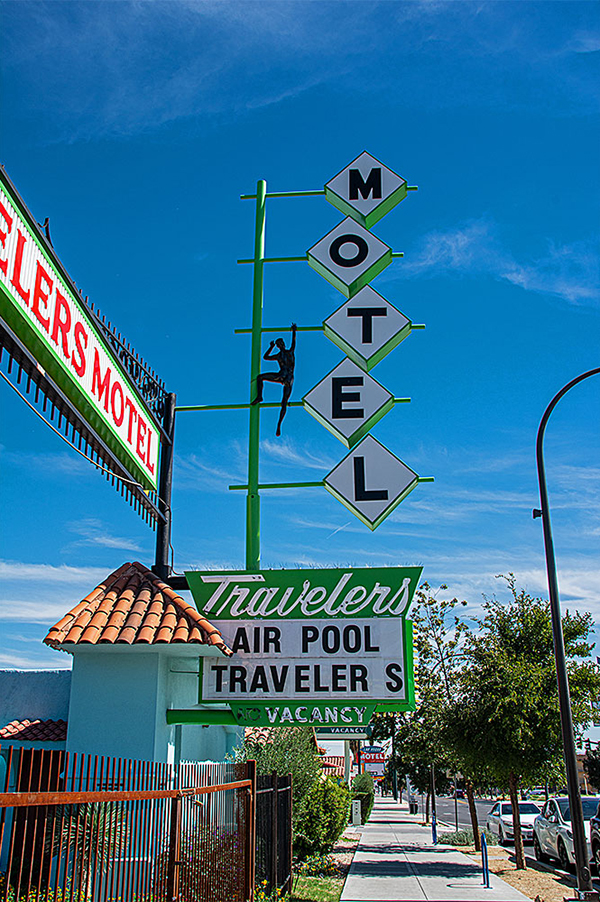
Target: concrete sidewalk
{"points": [[396, 861]]}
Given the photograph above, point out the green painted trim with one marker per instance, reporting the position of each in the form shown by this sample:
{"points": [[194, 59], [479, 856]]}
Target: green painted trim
{"points": [[350, 290], [367, 363], [278, 485], [285, 194], [359, 433], [193, 715], [201, 407], [58, 372], [253, 498], [280, 329], [357, 513], [275, 260], [375, 215]]}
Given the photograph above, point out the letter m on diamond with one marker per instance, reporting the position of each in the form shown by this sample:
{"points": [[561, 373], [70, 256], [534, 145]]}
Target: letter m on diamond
{"points": [[366, 190]]}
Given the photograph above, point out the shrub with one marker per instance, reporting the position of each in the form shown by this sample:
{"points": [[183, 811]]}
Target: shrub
{"points": [[465, 838], [363, 789], [322, 818]]}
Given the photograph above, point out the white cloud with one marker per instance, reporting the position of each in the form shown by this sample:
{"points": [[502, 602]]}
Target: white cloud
{"points": [[93, 532], [286, 451], [570, 271], [49, 573]]}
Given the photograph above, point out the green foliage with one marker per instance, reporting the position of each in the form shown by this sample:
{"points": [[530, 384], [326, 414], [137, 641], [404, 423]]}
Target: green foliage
{"points": [[322, 817], [364, 790], [289, 750], [591, 765], [507, 712], [317, 889], [465, 838]]}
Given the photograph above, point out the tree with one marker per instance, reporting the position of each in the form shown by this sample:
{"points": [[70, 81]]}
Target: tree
{"points": [[591, 765], [506, 713], [285, 750], [419, 737]]}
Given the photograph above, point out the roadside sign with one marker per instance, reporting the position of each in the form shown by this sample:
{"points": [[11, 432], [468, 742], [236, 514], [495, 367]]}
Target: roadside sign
{"points": [[371, 481], [367, 327], [42, 308], [341, 733], [349, 256], [323, 647], [348, 402], [365, 190]]}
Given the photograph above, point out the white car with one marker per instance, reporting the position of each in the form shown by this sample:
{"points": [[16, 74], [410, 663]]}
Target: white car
{"points": [[553, 837], [500, 821]]}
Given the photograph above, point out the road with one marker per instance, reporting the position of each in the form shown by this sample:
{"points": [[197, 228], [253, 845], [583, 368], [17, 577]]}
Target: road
{"points": [[446, 812]]}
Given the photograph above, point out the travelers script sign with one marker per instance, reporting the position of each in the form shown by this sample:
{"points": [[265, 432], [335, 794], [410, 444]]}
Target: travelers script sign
{"points": [[323, 647]]}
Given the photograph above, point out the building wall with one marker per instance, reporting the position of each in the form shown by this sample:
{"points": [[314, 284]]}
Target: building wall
{"points": [[34, 694], [119, 700]]}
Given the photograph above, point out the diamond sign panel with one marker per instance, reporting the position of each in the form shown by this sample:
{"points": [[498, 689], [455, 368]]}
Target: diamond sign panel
{"points": [[366, 190], [367, 327], [370, 481], [349, 257], [348, 402]]}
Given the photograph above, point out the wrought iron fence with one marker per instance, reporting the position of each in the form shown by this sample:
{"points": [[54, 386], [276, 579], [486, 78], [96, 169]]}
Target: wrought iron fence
{"points": [[94, 829], [274, 831]]}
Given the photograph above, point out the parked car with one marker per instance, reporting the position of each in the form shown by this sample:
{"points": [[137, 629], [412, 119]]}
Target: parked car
{"points": [[595, 838], [459, 793], [552, 835], [500, 821]]}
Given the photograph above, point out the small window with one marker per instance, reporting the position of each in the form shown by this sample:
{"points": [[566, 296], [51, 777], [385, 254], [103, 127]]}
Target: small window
{"points": [[495, 809]]}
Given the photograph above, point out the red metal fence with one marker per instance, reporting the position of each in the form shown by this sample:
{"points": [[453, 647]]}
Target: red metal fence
{"points": [[94, 829]]}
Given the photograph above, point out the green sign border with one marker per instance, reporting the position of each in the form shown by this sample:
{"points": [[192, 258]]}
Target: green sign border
{"points": [[55, 368], [381, 210], [350, 290]]}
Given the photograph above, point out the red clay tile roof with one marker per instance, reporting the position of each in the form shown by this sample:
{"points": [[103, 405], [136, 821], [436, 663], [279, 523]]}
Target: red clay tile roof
{"points": [[134, 607], [333, 764], [35, 731]]}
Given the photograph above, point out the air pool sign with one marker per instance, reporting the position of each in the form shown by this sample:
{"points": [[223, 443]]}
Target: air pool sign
{"points": [[323, 647]]}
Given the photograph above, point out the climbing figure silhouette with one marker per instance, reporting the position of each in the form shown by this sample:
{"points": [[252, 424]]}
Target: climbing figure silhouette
{"points": [[285, 357]]}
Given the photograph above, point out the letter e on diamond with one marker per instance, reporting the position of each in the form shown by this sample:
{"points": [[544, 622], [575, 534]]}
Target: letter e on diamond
{"points": [[365, 190], [371, 481], [348, 402]]}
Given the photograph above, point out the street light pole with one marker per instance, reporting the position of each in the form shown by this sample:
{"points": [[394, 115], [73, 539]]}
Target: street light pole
{"points": [[585, 888]]}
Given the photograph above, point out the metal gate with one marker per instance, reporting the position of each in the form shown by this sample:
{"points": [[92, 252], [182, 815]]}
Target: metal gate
{"points": [[94, 829]]}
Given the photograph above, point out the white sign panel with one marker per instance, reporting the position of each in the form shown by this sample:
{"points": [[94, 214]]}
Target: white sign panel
{"points": [[367, 327], [349, 257], [371, 481], [350, 660], [348, 402], [366, 190]]}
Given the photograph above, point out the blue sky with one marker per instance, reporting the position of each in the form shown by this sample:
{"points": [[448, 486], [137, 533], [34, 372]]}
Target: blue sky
{"points": [[136, 126]]}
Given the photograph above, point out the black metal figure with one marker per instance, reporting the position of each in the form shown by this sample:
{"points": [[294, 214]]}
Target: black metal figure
{"points": [[287, 361]]}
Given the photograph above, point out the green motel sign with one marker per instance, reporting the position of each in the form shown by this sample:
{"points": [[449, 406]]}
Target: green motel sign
{"points": [[320, 647]]}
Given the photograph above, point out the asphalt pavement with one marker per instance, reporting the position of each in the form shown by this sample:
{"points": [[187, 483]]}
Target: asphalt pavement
{"points": [[446, 811]]}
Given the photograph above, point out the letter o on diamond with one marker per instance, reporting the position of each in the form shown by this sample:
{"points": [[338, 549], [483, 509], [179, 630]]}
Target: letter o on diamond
{"points": [[360, 256]]}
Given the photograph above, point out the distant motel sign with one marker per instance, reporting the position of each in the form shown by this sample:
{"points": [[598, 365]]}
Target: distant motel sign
{"points": [[322, 647], [46, 315], [370, 481]]}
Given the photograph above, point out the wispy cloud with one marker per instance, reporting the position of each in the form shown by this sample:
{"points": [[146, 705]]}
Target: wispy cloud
{"points": [[473, 248], [49, 573], [286, 451], [15, 661], [195, 473], [94, 532], [215, 59]]}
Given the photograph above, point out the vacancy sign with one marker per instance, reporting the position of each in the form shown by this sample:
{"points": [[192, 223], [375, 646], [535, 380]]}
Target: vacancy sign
{"points": [[323, 647], [348, 402], [371, 481], [367, 328], [366, 190], [349, 257]]}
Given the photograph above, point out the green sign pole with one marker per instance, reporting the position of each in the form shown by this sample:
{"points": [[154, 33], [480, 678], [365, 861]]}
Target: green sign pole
{"points": [[253, 498]]}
